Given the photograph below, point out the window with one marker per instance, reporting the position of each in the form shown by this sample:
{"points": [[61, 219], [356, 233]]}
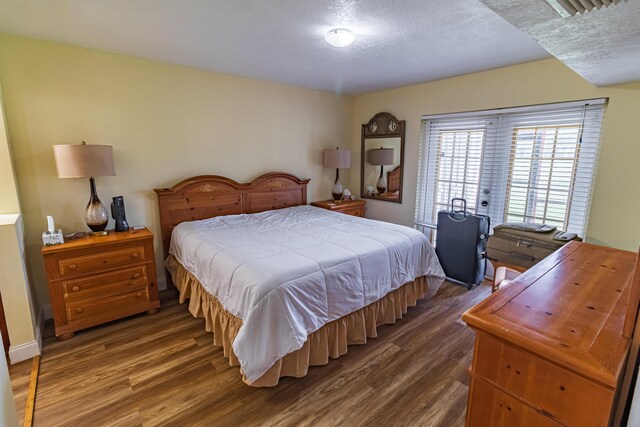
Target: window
{"points": [[529, 164], [459, 166], [540, 177]]}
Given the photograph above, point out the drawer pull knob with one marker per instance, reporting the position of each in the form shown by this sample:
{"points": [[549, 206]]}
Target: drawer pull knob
{"points": [[136, 275], [75, 288], [139, 295], [72, 266], [79, 309], [134, 255]]}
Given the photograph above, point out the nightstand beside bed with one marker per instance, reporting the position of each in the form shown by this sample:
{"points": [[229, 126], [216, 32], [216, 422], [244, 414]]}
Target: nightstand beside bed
{"points": [[94, 280], [348, 207]]}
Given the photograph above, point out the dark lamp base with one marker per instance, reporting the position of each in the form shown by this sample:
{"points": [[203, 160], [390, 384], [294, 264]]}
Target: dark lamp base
{"points": [[381, 184], [96, 215]]}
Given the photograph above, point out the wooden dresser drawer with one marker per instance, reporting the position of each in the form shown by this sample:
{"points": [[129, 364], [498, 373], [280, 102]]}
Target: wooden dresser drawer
{"points": [[490, 407], [355, 211], [96, 262], [105, 284], [569, 397], [83, 309], [347, 207]]}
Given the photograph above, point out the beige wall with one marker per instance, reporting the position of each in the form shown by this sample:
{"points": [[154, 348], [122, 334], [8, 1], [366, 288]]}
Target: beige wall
{"points": [[19, 306], [9, 202], [165, 123], [169, 122], [616, 201]]}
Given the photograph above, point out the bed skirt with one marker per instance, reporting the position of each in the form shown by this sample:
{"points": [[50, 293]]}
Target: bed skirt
{"points": [[330, 341]]}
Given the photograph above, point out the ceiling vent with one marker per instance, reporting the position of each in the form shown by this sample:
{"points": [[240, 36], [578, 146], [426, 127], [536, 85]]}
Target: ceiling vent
{"points": [[568, 8]]}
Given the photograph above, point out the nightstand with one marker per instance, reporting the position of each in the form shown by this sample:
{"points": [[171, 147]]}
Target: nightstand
{"points": [[349, 207], [94, 280]]}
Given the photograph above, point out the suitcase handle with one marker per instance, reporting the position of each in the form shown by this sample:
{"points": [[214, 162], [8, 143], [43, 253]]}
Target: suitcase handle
{"points": [[463, 211]]}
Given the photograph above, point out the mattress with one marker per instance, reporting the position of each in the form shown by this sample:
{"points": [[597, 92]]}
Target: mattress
{"points": [[288, 272]]}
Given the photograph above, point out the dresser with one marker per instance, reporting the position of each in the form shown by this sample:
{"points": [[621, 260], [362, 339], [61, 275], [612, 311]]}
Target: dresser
{"points": [[349, 207], [93, 280], [551, 348]]}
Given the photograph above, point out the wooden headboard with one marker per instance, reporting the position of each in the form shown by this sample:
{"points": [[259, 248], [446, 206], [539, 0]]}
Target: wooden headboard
{"points": [[207, 196], [393, 180]]}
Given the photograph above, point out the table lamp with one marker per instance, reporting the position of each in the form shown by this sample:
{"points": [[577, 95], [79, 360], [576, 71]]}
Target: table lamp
{"points": [[382, 157], [87, 161], [337, 159]]}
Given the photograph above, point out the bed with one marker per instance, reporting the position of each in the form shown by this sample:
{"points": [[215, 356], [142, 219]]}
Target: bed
{"points": [[282, 285]]}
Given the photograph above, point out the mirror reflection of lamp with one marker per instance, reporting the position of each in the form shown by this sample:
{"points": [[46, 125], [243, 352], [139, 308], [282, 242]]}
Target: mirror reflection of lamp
{"points": [[337, 159], [87, 161], [381, 157]]}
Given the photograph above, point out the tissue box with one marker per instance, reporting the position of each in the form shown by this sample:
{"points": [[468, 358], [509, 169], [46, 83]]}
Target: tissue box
{"points": [[55, 238]]}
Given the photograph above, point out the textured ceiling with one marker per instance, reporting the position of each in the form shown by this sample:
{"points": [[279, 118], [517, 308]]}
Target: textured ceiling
{"points": [[603, 46], [398, 42]]}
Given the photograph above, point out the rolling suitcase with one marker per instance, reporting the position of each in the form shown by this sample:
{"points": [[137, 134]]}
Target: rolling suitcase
{"points": [[461, 244]]}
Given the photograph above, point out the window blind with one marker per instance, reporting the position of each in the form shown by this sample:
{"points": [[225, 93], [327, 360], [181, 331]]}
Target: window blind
{"points": [[526, 164]]}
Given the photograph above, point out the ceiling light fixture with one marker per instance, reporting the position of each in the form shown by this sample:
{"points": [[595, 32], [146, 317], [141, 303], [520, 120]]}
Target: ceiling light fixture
{"points": [[339, 37]]}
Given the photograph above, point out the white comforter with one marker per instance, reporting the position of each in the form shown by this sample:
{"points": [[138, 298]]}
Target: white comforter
{"points": [[288, 272]]}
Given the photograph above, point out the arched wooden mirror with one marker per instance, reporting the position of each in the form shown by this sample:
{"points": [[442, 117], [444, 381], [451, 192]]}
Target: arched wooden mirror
{"points": [[382, 158]]}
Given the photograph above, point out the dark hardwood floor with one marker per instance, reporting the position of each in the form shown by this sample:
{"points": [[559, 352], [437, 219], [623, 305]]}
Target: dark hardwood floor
{"points": [[164, 370]]}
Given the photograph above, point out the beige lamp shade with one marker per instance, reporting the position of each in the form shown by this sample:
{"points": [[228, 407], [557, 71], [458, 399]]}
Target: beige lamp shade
{"points": [[381, 156], [84, 160], [337, 158]]}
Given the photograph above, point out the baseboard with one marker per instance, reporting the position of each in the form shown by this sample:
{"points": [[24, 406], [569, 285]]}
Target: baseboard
{"points": [[28, 350], [48, 312], [40, 328], [162, 284]]}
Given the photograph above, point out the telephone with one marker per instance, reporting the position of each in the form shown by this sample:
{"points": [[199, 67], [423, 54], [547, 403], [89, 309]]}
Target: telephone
{"points": [[118, 214]]}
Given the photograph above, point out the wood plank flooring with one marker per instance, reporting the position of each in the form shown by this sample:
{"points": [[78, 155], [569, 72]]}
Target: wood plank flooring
{"points": [[164, 370]]}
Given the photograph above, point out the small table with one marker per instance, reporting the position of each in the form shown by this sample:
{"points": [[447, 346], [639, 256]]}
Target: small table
{"points": [[348, 207], [93, 280]]}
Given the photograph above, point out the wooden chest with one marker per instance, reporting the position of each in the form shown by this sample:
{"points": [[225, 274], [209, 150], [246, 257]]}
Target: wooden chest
{"points": [[551, 348], [94, 280]]}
